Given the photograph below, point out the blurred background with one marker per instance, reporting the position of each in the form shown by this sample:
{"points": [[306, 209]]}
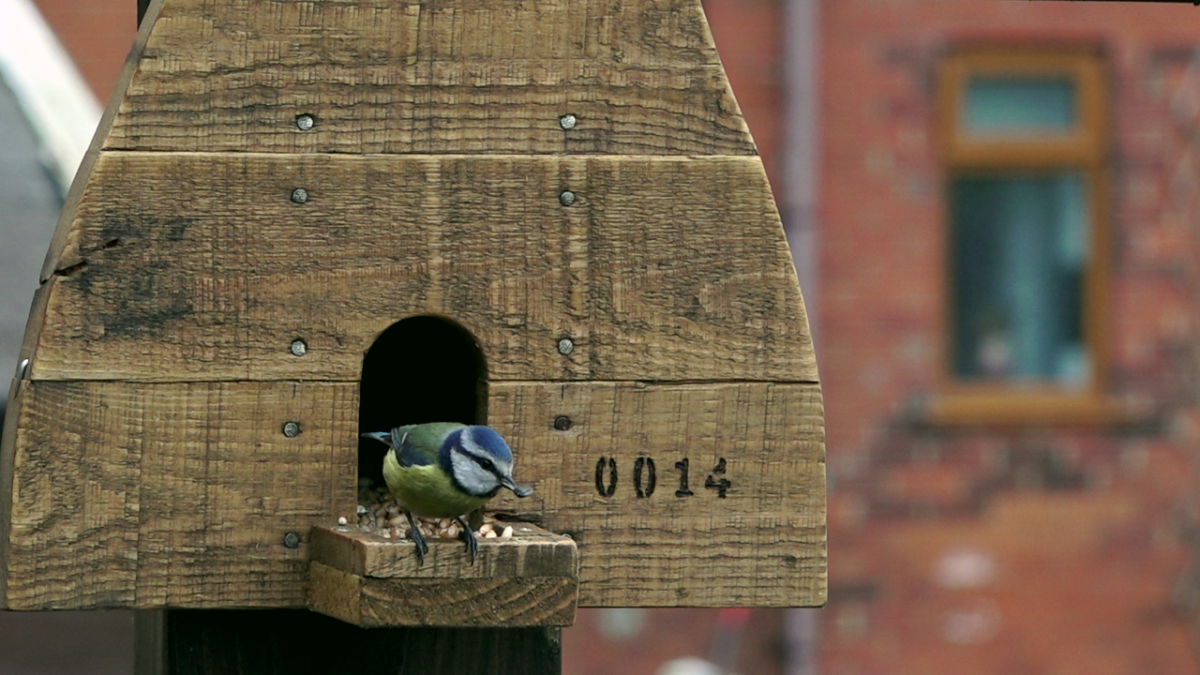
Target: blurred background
{"points": [[994, 209]]}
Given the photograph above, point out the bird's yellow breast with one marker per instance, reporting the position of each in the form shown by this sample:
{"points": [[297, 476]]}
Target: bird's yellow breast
{"points": [[427, 490]]}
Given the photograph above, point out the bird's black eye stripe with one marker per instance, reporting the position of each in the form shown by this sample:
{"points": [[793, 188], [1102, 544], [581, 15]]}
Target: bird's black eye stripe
{"points": [[486, 464]]}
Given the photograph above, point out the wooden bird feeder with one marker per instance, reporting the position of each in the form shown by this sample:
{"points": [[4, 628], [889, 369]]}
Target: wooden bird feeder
{"points": [[307, 219]]}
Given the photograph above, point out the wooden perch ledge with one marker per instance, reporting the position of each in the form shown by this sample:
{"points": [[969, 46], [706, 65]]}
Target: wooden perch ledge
{"points": [[531, 579]]}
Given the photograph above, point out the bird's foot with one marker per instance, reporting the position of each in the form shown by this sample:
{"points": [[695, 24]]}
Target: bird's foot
{"points": [[415, 533], [469, 537]]}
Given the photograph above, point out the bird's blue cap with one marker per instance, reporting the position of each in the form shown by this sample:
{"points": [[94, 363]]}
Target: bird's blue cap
{"points": [[487, 438]]}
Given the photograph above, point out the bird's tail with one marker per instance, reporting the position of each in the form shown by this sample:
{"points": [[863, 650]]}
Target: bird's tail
{"points": [[384, 437]]}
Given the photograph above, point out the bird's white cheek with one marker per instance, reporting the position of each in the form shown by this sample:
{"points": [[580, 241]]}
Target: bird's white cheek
{"points": [[472, 477]]}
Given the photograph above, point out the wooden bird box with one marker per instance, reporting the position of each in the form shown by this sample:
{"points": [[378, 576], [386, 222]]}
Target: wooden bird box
{"points": [[307, 219]]}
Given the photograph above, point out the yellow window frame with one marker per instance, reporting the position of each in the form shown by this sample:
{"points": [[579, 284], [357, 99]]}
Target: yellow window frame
{"points": [[1085, 149]]}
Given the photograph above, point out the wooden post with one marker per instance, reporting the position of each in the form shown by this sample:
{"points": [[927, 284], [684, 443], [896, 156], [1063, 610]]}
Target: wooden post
{"points": [[296, 642]]}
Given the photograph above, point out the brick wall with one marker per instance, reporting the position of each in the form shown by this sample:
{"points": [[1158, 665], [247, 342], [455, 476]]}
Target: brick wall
{"points": [[1032, 550]]}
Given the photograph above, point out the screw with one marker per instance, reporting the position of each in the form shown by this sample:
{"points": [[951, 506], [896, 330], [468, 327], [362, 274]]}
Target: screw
{"points": [[291, 540], [304, 122], [299, 348], [299, 195], [291, 429], [566, 346], [567, 122], [562, 423], [23, 369], [567, 198]]}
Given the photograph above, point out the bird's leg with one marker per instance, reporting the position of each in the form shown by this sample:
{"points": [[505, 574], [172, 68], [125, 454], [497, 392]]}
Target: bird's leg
{"points": [[469, 536], [415, 533]]}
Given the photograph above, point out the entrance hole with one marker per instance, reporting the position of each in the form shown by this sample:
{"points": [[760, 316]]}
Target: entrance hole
{"points": [[421, 369]]}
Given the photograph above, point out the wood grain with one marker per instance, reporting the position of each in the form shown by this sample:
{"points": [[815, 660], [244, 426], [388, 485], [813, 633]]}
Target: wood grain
{"points": [[132, 496], [180, 494], [530, 552], [448, 76], [8, 432], [88, 164], [763, 545], [469, 602], [8, 444], [188, 267]]}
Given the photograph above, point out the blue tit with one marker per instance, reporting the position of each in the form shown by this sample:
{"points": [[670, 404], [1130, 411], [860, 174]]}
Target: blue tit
{"points": [[446, 470]]}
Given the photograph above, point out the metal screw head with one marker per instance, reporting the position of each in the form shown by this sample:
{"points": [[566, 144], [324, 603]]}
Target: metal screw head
{"points": [[22, 369], [304, 122], [567, 122], [566, 346], [299, 347], [562, 423], [291, 540], [291, 429], [567, 198], [299, 195]]}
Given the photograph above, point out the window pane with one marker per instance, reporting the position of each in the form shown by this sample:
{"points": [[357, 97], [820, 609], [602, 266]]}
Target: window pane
{"points": [[1019, 250], [1014, 105]]}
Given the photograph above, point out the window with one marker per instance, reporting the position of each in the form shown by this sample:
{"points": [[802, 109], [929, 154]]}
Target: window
{"points": [[1023, 139]]}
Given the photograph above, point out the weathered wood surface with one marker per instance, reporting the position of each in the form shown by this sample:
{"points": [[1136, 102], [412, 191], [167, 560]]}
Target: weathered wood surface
{"points": [[530, 552], [442, 76], [149, 468], [299, 642], [468, 602], [133, 496], [8, 445], [180, 494], [188, 267]]}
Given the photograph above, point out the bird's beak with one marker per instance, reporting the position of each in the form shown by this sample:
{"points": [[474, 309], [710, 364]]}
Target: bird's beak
{"points": [[518, 490]]}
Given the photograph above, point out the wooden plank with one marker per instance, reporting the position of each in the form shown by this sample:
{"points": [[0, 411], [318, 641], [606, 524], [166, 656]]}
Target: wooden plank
{"points": [[299, 642], [179, 495], [72, 532], [449, 76], [530, 579], [148, 495], [761, 545], [530, 552], [226, 486], [8, 433], [8, 442], [186, 267], [470, 602], [54, 253]]}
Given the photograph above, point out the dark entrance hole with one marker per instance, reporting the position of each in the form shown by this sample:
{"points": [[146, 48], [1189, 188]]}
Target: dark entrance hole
{"points": [[421, 369]]}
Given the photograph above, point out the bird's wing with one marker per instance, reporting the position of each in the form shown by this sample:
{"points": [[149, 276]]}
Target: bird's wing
{"points": [[418, 444]]}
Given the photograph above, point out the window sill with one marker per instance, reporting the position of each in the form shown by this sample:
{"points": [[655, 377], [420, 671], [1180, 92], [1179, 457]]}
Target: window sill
{"points": [[1039, 408]]}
